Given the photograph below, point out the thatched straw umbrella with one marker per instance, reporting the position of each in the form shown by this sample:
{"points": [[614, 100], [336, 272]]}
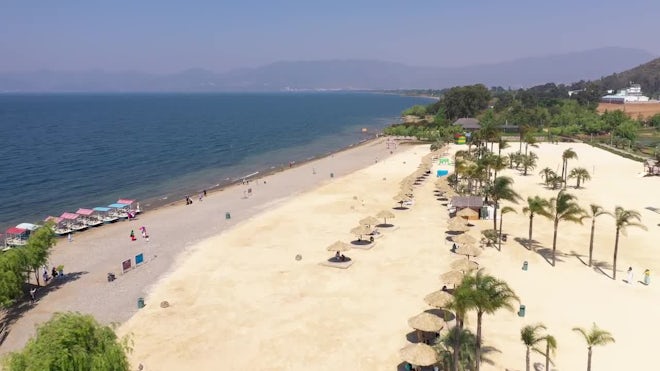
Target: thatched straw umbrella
{"points": [[369, 221], [360, 231], [385, 214], [464, 239], [464, 265], [426, 322], [339, 246], [419, 354], [452, 277], [468, 250], [439, 299], [467, 213], [401, 198], [457, 225]]}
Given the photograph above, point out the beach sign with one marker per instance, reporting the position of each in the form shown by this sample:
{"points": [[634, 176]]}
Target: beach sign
{"points": [[139, 259], [125, 265]]}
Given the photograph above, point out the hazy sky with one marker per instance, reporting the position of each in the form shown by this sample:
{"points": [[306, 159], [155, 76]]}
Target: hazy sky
{"points": [[172, 35]]}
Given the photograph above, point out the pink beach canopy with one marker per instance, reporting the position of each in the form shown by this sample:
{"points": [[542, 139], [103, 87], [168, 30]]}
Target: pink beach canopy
{"points": [[125, 201], [14, 230], [54, 219], [69, 216], [85, 211]]}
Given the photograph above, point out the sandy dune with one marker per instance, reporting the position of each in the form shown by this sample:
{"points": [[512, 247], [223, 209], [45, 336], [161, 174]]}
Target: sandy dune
{"points": [[241, 300]]}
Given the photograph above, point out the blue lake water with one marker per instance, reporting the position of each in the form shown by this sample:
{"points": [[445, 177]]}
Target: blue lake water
{"points": [[60, 152]]}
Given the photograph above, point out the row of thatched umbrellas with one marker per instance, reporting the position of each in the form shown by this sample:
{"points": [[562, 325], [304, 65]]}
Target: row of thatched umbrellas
{"points": [[406, 185], [365, 227], [422, 354]]}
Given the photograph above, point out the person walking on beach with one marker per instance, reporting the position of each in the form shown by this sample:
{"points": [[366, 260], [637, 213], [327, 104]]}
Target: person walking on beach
{"points": [[70, 237], [647, 277], [204, 192], [200, 196], [631, 276], [33, 295], [132, 235]]}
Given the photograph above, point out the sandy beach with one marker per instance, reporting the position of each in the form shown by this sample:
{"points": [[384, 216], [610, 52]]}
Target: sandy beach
{"points": [[239, 298]]}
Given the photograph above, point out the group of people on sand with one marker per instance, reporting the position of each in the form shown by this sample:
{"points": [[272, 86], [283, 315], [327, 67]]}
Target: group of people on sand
{"points": [[646, 276], [340, 257]]}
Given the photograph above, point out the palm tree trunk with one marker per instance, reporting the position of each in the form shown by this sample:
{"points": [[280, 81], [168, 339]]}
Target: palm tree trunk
{"points": [[527, 360], [547, 355], [495, 217], [589, 360], [554, 242], [616, 250], [478, 350], [36, 276], [499, 247], [591, 239], [529, 240]]}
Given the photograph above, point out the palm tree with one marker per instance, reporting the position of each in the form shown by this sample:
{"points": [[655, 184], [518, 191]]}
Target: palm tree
{"points": [[503, 143], [501, 190], [624, 219], [568, 154], [596, 211], [564, 207], [459, 305], [529, 162], [535, 206], [550, 349], [594, 337], [580, 174], [546, 174], [531, 337], [505, 210], [485, 294], [448, 341], [499, 163], [530, 140]]}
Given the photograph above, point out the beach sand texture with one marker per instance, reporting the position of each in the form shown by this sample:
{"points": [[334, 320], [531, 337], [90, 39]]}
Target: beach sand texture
{"points": [[241, 300]]}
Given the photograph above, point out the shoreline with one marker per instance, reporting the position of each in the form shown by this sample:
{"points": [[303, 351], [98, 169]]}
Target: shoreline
{"points": [[174, 229]]}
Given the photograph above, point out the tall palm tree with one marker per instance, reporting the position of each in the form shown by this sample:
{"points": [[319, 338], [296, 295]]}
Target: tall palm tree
{"points": [[550, 349], [568, 154], [580, 174], [460, 306], [623, 219], [546, 173], [485, 294], [531, 337], [501, 190], [596, 211], [594, 337], [499, 163], [505, 210], [564, 207], [535, 206], [503, 144], [529, 162], [530, 140], [448, 341]]}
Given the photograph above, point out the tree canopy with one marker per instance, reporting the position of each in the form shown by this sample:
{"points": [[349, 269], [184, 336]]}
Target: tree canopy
{"points": [[71, 341]]}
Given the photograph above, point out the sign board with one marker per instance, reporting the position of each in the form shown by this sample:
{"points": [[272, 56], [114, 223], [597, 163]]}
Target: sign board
{"points": [[126, 265], [139, 259]]}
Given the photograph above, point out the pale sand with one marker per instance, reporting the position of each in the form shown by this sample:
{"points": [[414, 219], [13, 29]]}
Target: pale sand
{"points": [[241, 300], [173, 229]]}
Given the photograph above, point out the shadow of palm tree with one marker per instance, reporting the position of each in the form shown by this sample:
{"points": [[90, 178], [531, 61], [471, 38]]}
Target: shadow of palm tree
{"points": [[546, 253], [580, 257], [9, 316], [599, 266], [524, 243]]}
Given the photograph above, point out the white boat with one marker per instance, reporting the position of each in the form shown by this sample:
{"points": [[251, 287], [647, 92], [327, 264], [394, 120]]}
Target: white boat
{"points": [[59, 227], [104, 214], [119, 210], [15, 236], [73, 221], [89, 217], [133, 207]]}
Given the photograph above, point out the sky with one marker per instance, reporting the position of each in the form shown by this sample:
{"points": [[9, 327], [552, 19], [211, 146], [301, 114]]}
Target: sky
{"points": [[165, 36]]}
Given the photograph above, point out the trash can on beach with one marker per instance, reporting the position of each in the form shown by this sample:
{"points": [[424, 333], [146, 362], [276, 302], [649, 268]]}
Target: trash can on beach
{"points": [[227, 215], [332, 175], [525, 265], [521, 311], [140, 303]]}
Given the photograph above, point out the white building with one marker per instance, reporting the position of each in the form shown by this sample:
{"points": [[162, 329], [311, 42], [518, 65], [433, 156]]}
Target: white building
{"points": [[631, 95]]}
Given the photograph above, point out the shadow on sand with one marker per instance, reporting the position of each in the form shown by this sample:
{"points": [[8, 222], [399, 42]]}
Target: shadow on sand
{"points": [[24, 304]]}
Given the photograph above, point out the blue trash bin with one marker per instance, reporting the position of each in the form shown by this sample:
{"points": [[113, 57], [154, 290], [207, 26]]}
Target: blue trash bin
{"points": [[140, 303], [521, 311], [227, 215], [525, 265]]}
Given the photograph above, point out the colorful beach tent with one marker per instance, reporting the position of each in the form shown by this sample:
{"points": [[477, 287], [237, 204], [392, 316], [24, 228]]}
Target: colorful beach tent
{"points": [[86, 212], [28, 226]]}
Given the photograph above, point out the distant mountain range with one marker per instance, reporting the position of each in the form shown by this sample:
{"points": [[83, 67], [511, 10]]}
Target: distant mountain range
{"points": [[338, 75]]}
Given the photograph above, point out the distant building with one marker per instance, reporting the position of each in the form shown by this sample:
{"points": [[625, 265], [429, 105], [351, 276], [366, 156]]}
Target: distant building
{"points": [[631, 95], [468, 124]]}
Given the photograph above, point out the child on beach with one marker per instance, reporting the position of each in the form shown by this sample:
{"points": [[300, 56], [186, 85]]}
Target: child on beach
{"points": [[631, 276], [647, 277]]}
